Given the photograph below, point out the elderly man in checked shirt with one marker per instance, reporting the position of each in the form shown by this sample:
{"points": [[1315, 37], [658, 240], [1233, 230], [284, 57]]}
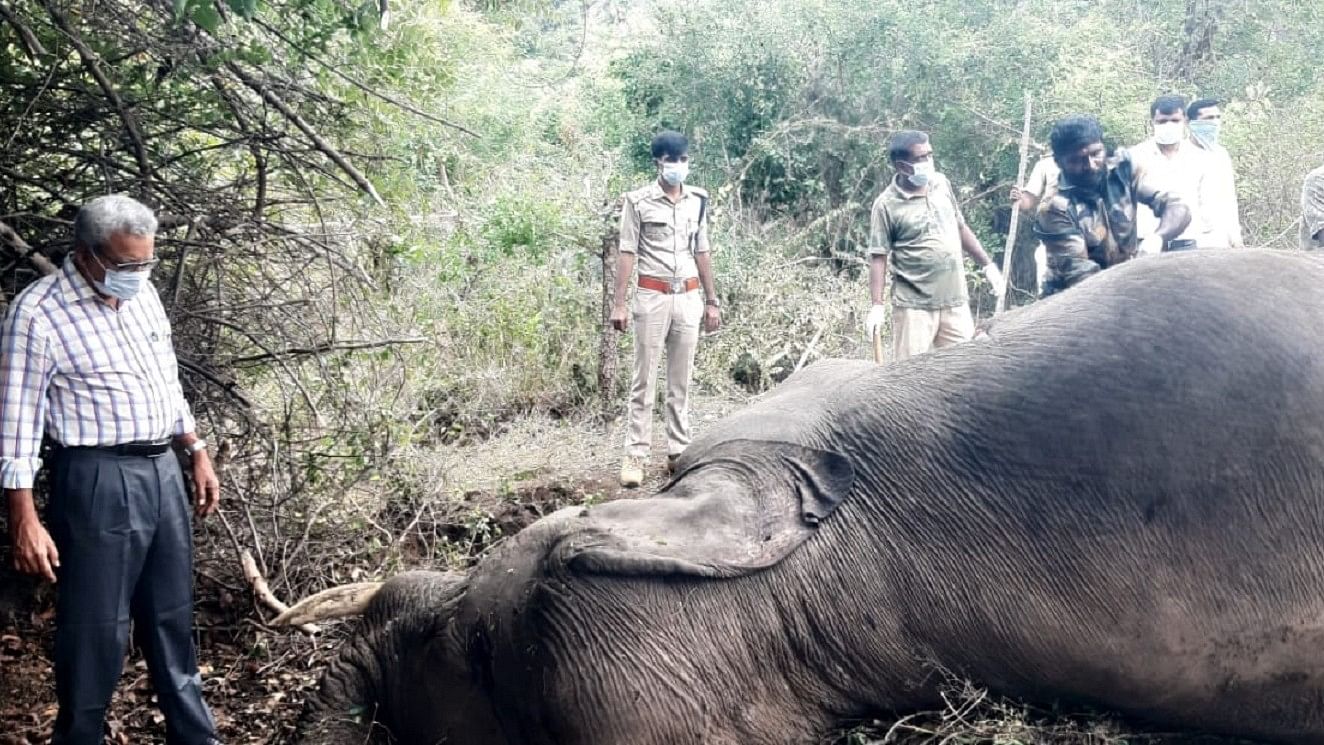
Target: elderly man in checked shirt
{"points": [[86, 359]]}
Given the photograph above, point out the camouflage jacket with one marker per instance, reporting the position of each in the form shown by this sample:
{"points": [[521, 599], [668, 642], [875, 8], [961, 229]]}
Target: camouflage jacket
{"points": [[1084, 231]]}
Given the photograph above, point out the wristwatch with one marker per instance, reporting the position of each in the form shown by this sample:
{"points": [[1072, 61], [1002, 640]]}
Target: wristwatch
{"points": [[713, 302], [198, 444]]}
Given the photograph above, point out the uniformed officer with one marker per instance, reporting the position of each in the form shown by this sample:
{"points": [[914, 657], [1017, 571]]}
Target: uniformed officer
{"points": [[1089, 224], [664, 233]]}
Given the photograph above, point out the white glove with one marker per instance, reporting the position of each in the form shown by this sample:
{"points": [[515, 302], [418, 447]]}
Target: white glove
{"points": [[873, 324], [994, 277], [1150, 245]]}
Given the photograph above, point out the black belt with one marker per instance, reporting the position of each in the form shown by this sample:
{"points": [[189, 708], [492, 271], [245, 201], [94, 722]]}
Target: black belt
{"points": [[140, 448]]}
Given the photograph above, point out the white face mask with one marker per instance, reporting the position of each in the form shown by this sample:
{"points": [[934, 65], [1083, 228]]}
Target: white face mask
{"points": [[675, 173], [120, 284], [1168, 133], [923, 173]]}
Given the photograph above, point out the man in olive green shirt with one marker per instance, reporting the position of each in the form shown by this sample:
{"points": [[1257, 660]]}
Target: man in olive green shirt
{"points": [[917, 223]]}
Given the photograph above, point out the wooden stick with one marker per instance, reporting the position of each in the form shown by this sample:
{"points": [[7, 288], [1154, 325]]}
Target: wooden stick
{"points": [[1015, 212], [263, 591]]}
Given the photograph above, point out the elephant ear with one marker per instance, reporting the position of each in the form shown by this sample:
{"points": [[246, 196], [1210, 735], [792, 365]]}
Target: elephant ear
{"points": [[743, 506]]}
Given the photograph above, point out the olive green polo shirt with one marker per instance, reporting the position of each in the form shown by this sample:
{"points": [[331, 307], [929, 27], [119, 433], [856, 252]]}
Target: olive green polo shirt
{"points": [[921, 236], [665, 235]]}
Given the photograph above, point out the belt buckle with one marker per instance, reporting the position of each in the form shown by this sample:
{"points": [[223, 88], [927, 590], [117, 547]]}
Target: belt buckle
{"points": [[677, 285]]}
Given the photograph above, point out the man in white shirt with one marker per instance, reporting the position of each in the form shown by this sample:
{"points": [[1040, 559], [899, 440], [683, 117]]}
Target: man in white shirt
{"points": [[86, 359], [1223, 221], [1171, 159]]}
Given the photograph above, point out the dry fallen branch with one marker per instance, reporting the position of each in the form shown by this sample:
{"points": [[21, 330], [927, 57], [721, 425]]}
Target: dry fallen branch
{"points": [[263, 592], [24, 251], [323, 349]]}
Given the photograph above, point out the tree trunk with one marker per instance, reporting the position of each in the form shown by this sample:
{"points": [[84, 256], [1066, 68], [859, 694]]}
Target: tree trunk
{"points": [[1198, 29]]}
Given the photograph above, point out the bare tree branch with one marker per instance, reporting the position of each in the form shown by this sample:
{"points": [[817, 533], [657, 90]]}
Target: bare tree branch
{"points": [[89, 59], [26, 38], [24, 251], [327, 149], [361, 86]]}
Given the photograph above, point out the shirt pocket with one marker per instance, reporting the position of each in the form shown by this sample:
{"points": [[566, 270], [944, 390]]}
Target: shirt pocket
{"points": [[158, 339], [657, 233], [691, 234], [909, 231], [943, 215]]}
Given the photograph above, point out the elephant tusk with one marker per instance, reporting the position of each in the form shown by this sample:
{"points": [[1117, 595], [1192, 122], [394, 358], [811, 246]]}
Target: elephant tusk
{"points": [[337, 602]]}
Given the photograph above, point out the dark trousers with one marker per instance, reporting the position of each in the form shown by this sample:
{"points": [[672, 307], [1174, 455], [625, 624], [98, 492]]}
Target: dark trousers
{"points": [[122, 526]]}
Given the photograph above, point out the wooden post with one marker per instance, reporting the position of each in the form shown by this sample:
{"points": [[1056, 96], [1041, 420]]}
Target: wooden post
{"points": [[1015, 211], [608, 352]]}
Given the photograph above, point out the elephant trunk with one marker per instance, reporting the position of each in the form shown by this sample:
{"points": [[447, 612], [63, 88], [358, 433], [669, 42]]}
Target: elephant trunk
{"points": [[361, 689], [344, 708]]}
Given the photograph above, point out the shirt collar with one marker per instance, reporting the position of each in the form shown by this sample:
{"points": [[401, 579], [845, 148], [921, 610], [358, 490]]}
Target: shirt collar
{"points": [[73, 285], [655, 192], [894, 188]]}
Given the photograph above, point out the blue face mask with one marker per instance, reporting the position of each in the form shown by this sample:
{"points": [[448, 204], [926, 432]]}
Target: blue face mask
{"points": [[675, 173], [1204, 130], [121, 284]]}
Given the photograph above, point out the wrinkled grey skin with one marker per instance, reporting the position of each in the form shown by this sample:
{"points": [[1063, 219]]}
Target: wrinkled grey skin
{"points": [[1116, 498]]}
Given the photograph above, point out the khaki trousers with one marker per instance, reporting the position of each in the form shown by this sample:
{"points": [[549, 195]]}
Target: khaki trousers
{"points": [[671, 322], [918, 330]]}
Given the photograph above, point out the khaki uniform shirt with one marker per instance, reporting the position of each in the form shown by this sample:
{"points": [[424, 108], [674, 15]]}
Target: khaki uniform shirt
{"points": [[1042, 181], [920, 235], [1084, 232], [665, 235], [1312, 210]]}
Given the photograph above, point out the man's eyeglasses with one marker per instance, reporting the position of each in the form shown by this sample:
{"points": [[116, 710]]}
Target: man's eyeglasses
{"points": [[127, 266]]}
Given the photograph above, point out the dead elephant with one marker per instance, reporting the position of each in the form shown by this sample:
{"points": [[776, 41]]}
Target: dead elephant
{"points": [[1116, 498]]}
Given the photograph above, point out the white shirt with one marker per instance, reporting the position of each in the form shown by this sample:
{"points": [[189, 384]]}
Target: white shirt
{"points": [[1222, 218], [84, 373], [1184, 174]]}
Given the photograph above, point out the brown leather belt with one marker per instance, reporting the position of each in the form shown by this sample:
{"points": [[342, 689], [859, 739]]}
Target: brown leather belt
{"points": [[669, 286]]}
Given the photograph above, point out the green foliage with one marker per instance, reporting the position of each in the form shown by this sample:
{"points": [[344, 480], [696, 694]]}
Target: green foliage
{"points": [[791, 103]]}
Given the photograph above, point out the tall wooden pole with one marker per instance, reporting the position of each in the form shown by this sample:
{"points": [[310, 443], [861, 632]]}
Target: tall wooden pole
{"points": [[1015, 212], [607, 351]]}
